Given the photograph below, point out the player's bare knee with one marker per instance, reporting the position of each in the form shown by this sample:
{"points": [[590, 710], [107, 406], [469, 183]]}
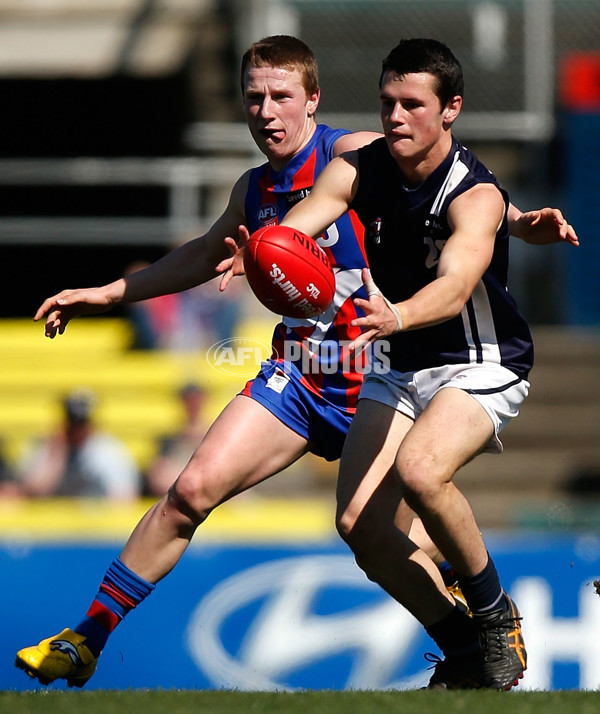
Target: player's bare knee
{"points": [[191, 497], [364, 535], [353, 526], [421, 482]]}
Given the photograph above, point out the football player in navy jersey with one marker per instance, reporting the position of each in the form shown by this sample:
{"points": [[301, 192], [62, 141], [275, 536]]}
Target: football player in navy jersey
{"points": [[299, 412], [459, 352]]}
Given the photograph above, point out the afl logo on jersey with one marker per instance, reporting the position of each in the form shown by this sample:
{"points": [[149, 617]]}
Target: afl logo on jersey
{"points": [[267, 214]]}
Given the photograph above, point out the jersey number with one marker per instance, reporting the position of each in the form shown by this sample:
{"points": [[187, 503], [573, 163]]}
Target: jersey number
{"points": [[329, 237], [435, 249]]}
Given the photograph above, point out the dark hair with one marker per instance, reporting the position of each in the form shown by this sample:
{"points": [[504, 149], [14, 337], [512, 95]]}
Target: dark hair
{"points": [[423, 55], [79, 406], [283, 51]]}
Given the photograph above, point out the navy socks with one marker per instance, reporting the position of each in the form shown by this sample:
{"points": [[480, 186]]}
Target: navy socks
{"points": [[483, 591]]}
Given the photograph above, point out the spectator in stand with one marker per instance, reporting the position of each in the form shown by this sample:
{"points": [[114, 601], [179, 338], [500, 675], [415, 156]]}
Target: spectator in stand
{"points": [[208, 315], [79, 459], [8, 486], [186, 321], [176, 449], [155, 321]]}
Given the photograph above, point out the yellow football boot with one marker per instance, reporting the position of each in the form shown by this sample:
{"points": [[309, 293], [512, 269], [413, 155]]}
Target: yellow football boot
{"points": [[64, 656]]}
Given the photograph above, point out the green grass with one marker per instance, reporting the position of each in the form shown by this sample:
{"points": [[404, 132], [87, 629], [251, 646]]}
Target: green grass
{"points": [[322, 702]]}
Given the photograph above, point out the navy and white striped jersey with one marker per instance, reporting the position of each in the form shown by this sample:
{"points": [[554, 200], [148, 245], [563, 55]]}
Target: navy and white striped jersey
{"points": [[405, 232]]}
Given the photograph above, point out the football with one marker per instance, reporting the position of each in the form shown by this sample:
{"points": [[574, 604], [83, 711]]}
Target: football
{"points": [[288, 272]]}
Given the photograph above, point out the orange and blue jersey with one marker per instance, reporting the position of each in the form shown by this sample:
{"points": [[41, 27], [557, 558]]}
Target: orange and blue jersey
{"points": [[315, 350]]}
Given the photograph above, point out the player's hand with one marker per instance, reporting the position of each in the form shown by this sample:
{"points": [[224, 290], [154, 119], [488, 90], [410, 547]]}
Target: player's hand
{"points": [[544, 226], [381, 318], [60, 309], [234, 265]]}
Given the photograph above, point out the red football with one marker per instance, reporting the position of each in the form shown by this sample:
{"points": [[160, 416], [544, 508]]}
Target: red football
{"points": [[288, 272]]}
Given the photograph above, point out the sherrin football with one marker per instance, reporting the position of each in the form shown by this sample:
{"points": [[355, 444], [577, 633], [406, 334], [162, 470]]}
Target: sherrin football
{"points": [[288, 272]]}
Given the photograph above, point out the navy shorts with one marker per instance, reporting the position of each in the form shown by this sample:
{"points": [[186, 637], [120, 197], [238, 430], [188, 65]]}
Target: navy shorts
{"points": [[321, 423]]}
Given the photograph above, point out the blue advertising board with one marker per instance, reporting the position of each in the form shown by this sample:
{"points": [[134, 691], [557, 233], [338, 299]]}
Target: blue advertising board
{"points": [[292, 615]]}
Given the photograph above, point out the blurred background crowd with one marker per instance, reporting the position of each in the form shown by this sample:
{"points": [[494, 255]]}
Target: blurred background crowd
{"points": [[121, 135]]}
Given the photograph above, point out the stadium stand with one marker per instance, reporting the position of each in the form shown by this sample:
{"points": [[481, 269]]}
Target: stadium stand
{"points": [[552, 442], [555, 438], [75, 38], [102, 55], [137, 390]]}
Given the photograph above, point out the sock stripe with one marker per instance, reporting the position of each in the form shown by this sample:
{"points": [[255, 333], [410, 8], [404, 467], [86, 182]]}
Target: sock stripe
{"points": [[103, 616], [117, 595]]}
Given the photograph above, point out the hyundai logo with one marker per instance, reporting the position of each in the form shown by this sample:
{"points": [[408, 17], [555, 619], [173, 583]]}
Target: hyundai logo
{"points": [[261, 628]]}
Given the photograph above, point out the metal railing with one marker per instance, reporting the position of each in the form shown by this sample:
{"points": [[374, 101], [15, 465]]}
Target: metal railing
{"points": [[196, 193]]}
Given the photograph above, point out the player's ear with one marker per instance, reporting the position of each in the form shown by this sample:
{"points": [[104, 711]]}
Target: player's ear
{"points": [[313, 102], [452, 110]]}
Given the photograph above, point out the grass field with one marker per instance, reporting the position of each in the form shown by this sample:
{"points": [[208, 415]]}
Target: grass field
{"points": [[323, 702]]}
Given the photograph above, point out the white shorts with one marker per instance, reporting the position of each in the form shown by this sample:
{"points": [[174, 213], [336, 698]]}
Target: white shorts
{"points": [[499, 391]]}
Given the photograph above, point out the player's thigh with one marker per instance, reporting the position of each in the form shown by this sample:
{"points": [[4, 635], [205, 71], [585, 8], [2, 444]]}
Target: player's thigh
{"points": [[365, 482], [245, 445], [452, 429]]}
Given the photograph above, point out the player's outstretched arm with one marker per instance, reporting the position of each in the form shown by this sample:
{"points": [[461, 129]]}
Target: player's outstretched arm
{"points": [[330, 197], [541, 227], [61, 308], [185, 267], [191, 264]]}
